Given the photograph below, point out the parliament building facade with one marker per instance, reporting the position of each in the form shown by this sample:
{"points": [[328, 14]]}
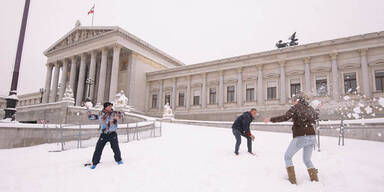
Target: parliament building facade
{"points": [[99, 62]]}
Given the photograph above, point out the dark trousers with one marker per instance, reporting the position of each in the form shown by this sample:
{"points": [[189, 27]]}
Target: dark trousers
{"points": [[237, 135], [103, 139]]}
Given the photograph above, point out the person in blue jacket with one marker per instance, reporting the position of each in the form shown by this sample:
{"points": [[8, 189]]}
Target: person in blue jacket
{"points": [[241, 128], [108, 126]]}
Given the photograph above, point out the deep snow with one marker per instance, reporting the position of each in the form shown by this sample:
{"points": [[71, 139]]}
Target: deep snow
{"points": [[193, 158]]}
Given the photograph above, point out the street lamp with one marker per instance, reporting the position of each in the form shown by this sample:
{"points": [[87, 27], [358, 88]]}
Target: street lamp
{"points": [[89, 83], [42, 90], [12, 99]]}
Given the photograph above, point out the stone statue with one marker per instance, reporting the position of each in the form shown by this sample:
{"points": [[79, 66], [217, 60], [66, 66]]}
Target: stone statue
{"points": [[167, 112], [293, 39], [120, 100], [78, 24], [68, 94], [293, 42], [280, 44]]}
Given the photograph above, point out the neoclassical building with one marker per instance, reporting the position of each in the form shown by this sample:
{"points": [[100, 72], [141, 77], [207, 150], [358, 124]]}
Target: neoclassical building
{"points": [[221, 89], [98, 62]]}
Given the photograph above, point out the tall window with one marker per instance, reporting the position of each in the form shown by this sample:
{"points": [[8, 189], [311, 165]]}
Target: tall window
{"points": [[196, 98], [167, 99], [271, 93], [154, 101], [181, 99], [230, 94], [250, 94], [295, 89], [350, 84], [321, 87], [212, 96], [379, 78], [271, 90]]}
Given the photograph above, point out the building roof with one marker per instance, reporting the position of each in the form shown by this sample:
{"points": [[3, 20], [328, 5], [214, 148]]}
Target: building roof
{"points": [[81, 34]]}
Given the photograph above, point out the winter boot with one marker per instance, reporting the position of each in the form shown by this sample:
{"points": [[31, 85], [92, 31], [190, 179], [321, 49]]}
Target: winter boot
{"points": [[120, 162], [93, 166], [313, 174], [291, 174]]}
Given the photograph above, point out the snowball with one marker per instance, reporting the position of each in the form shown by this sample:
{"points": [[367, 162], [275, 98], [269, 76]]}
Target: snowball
{"points": [[357, 110], [315, 104], [88, 104], [368, 109]]}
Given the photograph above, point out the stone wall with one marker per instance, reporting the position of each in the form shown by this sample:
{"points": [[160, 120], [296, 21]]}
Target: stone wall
{"points": [[61, 112], [373, 132], [11, 137]]}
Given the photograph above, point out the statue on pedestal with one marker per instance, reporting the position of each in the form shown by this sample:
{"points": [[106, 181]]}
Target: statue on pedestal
{"points": [[121, 102], [167, 112], [68, 94]]}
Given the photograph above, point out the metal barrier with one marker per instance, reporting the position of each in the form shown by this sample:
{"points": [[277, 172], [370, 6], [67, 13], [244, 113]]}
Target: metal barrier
{"points": [[341, 129], [70, 136]]}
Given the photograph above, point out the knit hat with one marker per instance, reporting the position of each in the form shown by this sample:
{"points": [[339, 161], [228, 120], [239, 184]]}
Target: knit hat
{"points": [[106, 104]]}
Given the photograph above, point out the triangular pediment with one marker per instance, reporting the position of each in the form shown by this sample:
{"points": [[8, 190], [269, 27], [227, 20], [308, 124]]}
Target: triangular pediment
{"points": [[78, 35]]}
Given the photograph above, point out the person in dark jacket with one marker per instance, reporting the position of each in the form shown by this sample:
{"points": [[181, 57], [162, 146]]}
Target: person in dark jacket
{"points": [[303, 117], [108, 127], [241, 128]]}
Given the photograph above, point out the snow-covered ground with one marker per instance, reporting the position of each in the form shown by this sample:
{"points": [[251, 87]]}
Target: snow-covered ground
{"points": [[193, 158]]}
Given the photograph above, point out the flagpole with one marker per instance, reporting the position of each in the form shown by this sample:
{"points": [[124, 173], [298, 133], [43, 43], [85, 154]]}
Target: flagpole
{"points": [[92, 17]]}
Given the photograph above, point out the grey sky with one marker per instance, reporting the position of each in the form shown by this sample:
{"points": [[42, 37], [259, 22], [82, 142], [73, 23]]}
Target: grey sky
{"points": [[191, 31]]}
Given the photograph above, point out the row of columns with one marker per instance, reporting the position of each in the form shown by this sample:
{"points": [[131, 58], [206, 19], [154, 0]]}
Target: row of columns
{"points": [[51, 84], [259, 83]]}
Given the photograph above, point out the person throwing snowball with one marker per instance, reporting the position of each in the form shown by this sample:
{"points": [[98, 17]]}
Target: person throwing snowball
{"points": [[108, 126], [303, 117]]}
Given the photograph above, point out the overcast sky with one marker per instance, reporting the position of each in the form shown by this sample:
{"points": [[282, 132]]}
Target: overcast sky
{"points": [[192, 31]]}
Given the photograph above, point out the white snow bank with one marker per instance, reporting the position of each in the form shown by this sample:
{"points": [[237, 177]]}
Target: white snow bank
{"points": [[192, 158]]}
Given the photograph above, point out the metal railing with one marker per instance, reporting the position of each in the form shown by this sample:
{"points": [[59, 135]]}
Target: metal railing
{"points": [[71, 136], [341, 130]]}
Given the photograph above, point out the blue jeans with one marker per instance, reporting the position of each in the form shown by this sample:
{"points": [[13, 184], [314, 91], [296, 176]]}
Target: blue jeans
{"points": [[297, 143], [238, 135]]}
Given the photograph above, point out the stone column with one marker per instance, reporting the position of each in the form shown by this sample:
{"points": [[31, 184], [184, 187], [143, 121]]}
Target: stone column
{"points": [[72, 77], [55, 83], [63, 81], [160, 95], [240, 87], [260, 99], [48, 77], [131, 79], [188, 97], [81, 81], [364, 73], [307, 75], [114, 72], [102, 76], [335, 77], [221, 89], [173, 98], [204, 92], [92, 73], [283, 94], [147, 95]]}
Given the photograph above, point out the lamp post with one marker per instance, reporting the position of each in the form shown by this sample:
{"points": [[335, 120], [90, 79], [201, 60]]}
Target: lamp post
{"points": [[42, 90], [89, 83], [12, 99]]}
